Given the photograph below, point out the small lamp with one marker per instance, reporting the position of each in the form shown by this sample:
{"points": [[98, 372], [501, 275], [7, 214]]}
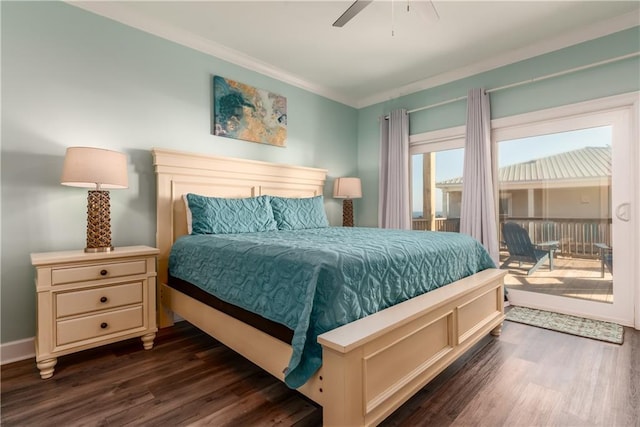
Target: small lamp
{"points": [[100, 169], [347, 188]]}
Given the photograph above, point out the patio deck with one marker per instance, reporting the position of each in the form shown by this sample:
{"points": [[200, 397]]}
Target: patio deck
{"points": [[571, 277]]}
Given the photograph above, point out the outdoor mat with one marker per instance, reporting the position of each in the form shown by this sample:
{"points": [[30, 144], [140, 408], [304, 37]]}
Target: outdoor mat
{"points": [[588, 328]]}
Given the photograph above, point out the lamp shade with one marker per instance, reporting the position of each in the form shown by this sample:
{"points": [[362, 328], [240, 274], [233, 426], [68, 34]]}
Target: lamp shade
{"points": [[347, 188], [94, 167]]}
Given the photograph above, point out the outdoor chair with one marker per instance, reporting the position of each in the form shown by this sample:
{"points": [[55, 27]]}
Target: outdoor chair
{"points": [[606, 257], [520, 248]]}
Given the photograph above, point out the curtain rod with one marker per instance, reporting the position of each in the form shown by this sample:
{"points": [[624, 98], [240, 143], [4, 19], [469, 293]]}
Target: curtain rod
{"points": [[524, 82]]}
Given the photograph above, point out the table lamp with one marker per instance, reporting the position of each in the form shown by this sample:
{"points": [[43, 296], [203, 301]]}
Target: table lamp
{"points": [[98, 169], [347, 188]]}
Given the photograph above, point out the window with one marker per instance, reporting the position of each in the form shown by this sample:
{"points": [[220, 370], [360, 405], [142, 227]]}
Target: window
{"points": [[436, 185]]}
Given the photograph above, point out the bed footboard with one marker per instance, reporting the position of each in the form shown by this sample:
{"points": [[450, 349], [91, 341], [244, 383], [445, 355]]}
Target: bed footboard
{"points": [[372, 366]]}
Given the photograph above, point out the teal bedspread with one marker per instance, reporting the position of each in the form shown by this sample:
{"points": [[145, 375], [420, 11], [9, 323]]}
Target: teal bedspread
{"points": [[315, 280]]}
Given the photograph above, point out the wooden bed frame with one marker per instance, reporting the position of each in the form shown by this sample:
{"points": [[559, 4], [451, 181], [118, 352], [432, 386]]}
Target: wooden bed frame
{"points": [[371, 366]]}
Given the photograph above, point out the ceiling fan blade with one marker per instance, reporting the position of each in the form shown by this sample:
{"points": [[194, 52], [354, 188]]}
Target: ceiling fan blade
{"points": [[352, 11], [426, 10]]}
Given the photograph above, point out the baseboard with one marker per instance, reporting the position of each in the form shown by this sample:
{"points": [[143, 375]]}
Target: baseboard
{"points": [[15, 351]]}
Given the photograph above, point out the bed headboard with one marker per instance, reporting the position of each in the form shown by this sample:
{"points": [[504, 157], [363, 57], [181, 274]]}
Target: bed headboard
{"points": [[178, 173]]}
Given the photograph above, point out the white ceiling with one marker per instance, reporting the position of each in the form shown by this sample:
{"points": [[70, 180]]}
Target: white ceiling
{"points": [[363, 62]]}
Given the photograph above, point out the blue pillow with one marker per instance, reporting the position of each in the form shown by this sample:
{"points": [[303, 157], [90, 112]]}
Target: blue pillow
{"points": [[216, 215], [298, 214]]}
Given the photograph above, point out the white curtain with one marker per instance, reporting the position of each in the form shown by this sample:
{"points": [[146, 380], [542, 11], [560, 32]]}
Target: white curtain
{"points": [[478, 212], [393, 201]]}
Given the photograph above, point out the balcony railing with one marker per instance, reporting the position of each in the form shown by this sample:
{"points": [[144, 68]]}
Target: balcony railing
{"points": [[441, 224], [576, 236]]}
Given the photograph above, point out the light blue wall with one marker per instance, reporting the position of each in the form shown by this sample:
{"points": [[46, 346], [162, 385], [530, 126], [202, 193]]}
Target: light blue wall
{"points": [[606, 80], [72, 78]]}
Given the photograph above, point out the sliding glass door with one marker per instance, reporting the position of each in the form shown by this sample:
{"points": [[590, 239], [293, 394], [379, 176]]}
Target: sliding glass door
{"points": [[564, 195]]}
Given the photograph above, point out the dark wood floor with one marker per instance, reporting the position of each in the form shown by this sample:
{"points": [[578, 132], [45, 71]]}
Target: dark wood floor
{"points": [[526, 377]]}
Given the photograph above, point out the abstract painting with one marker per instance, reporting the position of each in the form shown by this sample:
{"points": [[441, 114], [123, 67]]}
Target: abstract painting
{"points": [[245, 112]]}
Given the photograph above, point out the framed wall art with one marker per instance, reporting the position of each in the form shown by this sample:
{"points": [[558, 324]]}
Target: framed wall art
{"points": [[248, 113]]}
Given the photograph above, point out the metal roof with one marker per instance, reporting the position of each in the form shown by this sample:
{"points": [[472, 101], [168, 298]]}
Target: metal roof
{"points": [[584, 163]]}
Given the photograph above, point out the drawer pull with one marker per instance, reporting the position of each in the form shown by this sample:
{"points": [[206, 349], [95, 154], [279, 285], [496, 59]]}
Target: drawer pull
{"points": [[104, 325], [103, 272], [103, 299]]}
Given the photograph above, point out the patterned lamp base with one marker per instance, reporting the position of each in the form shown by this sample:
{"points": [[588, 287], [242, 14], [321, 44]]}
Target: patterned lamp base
{"points": [[347, 213], [98, 222]]}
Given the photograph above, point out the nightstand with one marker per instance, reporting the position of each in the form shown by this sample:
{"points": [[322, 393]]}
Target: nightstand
{"points": [[86, 300]]}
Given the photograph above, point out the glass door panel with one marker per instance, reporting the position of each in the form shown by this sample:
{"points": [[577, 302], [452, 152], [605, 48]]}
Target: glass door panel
{"points": [[555, 198], [437, 190]]}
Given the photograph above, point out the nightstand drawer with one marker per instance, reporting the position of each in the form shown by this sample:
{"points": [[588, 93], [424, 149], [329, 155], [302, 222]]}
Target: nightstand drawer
{"points": [[69, 331], [88, 300], [97, 271]]}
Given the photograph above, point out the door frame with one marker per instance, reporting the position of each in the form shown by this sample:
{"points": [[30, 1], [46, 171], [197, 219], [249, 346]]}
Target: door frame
{"points": [[621, 112]]}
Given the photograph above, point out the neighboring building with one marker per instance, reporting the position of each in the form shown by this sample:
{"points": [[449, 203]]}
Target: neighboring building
{"points": [[574, 184]]}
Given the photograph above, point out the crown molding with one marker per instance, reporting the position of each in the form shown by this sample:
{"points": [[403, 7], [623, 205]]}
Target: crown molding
{"points": [[594, 31], [113, 10]]}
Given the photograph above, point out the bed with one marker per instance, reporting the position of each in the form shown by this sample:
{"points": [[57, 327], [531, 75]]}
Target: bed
{"points": [[369, 366]]}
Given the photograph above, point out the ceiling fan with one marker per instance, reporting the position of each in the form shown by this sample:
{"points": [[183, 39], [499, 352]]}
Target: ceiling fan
{"points": [[424, 7]]}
